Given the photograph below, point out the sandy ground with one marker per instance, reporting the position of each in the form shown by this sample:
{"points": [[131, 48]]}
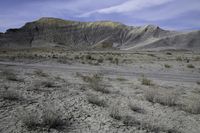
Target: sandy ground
{"points": [[117, 100]]}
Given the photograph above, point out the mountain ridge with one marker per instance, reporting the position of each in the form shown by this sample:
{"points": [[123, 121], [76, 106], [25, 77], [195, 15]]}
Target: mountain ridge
{"points": [[50, 32]]}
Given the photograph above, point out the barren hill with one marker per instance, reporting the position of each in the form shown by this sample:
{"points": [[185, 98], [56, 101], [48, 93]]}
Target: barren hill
{"points": [[51, 32]]}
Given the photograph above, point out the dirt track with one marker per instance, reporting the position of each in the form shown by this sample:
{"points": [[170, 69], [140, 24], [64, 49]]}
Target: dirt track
{"points": [[178, 77]]}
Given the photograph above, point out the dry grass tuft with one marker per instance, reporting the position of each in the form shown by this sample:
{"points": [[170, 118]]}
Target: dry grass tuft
{"points": [[95, 83], [40, 73], [53, 119], [93, 99], [136, 108], [130, 121], [146, 81], [164, 97], [190, 66], [48, 84], [167, 66], [146, 126], [30, 120], [192, 105], [11, 95], [115, 113], [121, 79], [10, 75], [49, 119]]}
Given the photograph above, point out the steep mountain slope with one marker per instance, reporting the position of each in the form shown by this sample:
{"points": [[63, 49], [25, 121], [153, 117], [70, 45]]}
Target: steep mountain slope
{"points": [[48, 32], [187, 41]]}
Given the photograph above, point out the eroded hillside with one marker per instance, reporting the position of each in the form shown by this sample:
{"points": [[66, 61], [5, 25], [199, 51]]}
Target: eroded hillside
{"points": [[48, 32]]}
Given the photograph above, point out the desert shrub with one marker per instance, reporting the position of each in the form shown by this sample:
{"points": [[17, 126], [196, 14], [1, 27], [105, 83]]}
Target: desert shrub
{"points": [[110, 58], [30, 120], [179, 58], [11, 95], [121, 79], [48, 84], [167, 66], [88, 57], [167, 98], [76, 57], [100, 60], [95, 82], [10, 75], [93, 99], [197, 58], [12, 78], [150, 95], [192, 106], [136, 108], [168, 53], [40, 73], [152, 55], [116, 61], [115, 113], [146, 126], [52, 118], [146, 81], [49, 118], [130, 121], [190, 66]]}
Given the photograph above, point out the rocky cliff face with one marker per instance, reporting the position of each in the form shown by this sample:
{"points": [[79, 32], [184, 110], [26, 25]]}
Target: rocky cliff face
{"points": [[47, 32]]}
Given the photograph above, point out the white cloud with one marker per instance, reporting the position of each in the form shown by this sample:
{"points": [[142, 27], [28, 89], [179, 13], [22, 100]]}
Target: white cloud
{"points": [[172, 10], [130, 5]]}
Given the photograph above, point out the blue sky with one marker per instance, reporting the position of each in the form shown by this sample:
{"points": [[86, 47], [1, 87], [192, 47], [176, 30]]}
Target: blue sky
{"points": [[168, 14]]}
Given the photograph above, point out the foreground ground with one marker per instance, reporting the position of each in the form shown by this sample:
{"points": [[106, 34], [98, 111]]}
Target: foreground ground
{"points": [[63, 91]]}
